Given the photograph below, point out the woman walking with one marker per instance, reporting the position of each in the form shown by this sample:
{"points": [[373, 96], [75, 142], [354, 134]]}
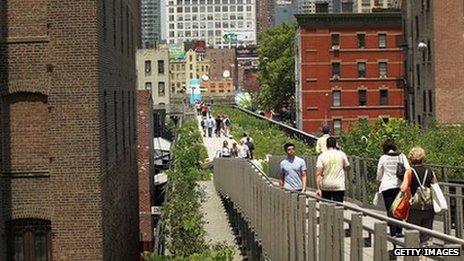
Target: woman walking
{"points": [[419, 179], [225, 151], [387, 181]]}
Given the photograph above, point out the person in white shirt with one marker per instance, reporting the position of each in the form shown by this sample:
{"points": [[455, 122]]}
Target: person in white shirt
{"points": [[321, 142], [225, 151], [211, 123], [330, 172], [243, 151], [244, 138], [387, 181]]}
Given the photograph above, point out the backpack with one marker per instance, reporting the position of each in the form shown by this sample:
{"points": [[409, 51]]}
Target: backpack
{"points": [[422, 199], [400, 168]]}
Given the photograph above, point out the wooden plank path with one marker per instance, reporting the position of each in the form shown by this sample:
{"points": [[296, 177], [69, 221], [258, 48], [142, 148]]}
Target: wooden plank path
{"points": [[217, 223]]}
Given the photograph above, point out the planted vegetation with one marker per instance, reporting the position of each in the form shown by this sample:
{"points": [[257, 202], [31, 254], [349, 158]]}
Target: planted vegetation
{"points": [[184, 220], [267, 138]]}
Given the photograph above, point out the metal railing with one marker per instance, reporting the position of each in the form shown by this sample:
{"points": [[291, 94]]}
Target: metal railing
{"points": [[290, 131], [300, 226]]}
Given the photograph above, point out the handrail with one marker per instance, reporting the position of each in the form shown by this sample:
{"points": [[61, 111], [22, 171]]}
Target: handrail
{"points": [[372, 214], [308, 136]]}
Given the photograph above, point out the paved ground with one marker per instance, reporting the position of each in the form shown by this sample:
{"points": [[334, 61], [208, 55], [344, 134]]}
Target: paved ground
{"points": [[217, 226]]}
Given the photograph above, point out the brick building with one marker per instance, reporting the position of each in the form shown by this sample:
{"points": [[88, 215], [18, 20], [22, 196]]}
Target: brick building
{"points": [[349, 66], [145, 156], [223, 86], [68, 151], [434, 61], [264, 15]]}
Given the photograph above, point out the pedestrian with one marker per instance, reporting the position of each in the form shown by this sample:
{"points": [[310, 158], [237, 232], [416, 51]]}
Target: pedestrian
{"points": [[245, 136], [420, 178], [210, 124], [204, 125], [204, 110], [387, 181], [330, 172], [322, 141], [292, 170], [225, 151], [251, 147], [234, 150], [226, 125], [198, 108], [218, 126], [243, 151]]}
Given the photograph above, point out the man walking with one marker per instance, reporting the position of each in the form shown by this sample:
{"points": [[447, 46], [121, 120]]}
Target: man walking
{"points": [[330, 172], [292, 171], [210, 123], [322, 141]]}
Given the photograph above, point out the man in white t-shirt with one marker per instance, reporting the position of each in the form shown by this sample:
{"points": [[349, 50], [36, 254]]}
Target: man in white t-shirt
{"points": [[330, 172], [321, 144], [243, 150]]}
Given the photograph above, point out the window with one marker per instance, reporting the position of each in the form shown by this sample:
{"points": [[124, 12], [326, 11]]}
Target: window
{"points": [[382, 40], [361, 40], [322, 7], [29, 239], [147, 67], [361, 69], [362, 96], [429, 51], [430, 101], [337, 126], [417, 26], [336, 69], [383, 69], [148, 86], [335, 40], [160, 67], [336, 98], [161, 90], [383, 97], [418, 75]]}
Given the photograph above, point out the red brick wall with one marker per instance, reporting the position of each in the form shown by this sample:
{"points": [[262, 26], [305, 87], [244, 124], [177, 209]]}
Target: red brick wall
{"points": [[448, 55], [61, 50], [145, 164], [317, 82]]}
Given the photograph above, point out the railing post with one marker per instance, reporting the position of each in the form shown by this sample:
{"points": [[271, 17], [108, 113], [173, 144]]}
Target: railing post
{"points": [[338, 234], [357, 240], [311, 242], [291, 214], [326, 217], [459, 217], [411, 240], [447, 214], [301, 227], [380, 241], [284, 210]]}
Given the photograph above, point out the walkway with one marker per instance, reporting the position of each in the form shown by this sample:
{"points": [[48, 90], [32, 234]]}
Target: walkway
{"points": [[217, 223]]}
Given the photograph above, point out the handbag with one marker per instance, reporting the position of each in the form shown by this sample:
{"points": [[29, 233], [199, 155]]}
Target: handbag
{"points": [[400, 168], [400, 206], [439, 201], [422, 199]]}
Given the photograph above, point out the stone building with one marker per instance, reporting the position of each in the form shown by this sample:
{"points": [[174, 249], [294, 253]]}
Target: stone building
{"points": [[68, 141]]}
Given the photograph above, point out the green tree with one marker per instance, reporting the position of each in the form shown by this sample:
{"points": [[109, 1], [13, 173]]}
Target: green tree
{"points": [[277, 62]]}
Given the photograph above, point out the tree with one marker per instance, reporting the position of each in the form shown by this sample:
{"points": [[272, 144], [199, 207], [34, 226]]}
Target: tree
{"points": [[277, 62]]}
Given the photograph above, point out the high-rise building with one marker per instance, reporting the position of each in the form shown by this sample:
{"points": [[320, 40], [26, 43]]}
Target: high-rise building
{"points": [[324, 6], [68, 130], [264, 15], [366, 6], [151, 22], [285, 11], [349, 67], [434, 61], [221, 23]]}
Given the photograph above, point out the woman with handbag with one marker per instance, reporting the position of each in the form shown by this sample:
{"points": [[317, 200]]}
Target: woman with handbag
{"points": [[387, 181], [418, 181]]}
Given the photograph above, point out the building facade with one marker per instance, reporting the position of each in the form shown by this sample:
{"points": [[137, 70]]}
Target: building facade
{"points": [[223, 86], [221, 60], [264, 15], [68, 142], [366, 6], [349, 67], [153, 73], [145, 165], [221, 23], [151, 22], [285, 12], [435, 61]]}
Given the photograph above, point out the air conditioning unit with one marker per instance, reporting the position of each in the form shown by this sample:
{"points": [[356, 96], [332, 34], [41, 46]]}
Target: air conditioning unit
{"points": [[156, 210], [335, 47], [383, 77], [336, 77]]}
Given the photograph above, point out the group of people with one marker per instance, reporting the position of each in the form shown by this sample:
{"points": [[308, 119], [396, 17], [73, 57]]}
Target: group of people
{"points": [[332, 164], [242, 150], [220, 125]]}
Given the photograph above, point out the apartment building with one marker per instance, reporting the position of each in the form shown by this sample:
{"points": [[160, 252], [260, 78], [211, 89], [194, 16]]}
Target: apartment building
{"points": [[153, 73]]}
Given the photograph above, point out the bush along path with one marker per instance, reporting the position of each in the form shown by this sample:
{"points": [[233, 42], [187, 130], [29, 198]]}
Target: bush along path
{"points": [[182, 214], [267, 138]]}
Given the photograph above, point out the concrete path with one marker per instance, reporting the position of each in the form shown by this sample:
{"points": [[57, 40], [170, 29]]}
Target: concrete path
{"points": [[217, 223]]}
